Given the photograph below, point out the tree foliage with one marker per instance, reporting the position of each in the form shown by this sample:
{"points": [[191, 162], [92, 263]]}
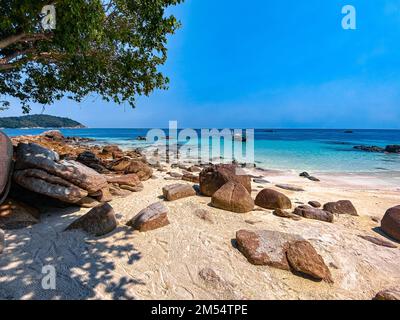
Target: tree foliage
{"points": [[112, 48]]}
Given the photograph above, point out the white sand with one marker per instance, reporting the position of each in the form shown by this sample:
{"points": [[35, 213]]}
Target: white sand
{"points": [[164, 264]]}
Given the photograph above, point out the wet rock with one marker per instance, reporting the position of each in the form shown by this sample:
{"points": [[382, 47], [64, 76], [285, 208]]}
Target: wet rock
{"points": [[265, 247], [233, 197], [153, 217], [290, 187], [313, 213], [392, 294], [379, 242], [341, 207], [17, 215], [315, 204], [215, 176], [41, 182], [271, 199], [304, 258], [97, 222], [178, 191], [390, 223]]}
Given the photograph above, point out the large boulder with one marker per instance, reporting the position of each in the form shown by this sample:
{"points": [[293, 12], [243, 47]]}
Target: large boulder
{"points": [[214, 177], [178, 191], [313, 213], [266, 247], [6, 154], [271, 199], [34, 156], [153, 217], [97, 222], [41, 182], [128, 165], [394, 148], [233, 197], [390, 223], [341, 207], [304, 258], [17, 215]]}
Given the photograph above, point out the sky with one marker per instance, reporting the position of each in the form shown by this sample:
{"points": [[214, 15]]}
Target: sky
{"points": [[267, 64]]}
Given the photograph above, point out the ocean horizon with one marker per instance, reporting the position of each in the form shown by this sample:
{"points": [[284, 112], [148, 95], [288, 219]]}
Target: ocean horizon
{"points": [[318, 150]]}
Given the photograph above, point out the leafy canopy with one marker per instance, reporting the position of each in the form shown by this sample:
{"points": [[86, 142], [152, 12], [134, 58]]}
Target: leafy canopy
{"points": [[112, 48]]}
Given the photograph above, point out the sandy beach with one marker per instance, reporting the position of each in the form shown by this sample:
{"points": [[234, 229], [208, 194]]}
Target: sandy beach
{"points": [[165, 263]]}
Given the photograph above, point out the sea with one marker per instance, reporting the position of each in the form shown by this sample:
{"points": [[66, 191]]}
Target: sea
{"points": [[315, 150]]}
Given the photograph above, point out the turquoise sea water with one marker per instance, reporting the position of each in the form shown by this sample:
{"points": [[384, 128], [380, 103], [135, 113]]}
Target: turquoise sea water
{"points": [[302, 150]]}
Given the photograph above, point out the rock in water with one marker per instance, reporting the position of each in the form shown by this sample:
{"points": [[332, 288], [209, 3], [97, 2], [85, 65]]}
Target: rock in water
{"points": [[97, 222], [153, 217], [390, 223], [214, 177], [304, 258], [41, 182], [6, 154], [393, 148], [265, 247], [17, 215], [271, 199], [341, 207], [389, 294], [2, 241], [233, 197], [314, 213], [178, 191]]}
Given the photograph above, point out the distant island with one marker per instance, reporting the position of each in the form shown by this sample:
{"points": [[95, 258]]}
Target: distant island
{"points": [[38, 121]]}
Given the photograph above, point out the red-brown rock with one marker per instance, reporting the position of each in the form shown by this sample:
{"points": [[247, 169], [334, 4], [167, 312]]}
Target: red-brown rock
{"points": [[153, 217], [178, 191], [271, 199], [390, 223], [233, 197], [341, 207]]}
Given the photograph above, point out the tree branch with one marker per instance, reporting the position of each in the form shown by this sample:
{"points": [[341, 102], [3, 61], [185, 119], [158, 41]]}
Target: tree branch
{"points": [[23, 37]]}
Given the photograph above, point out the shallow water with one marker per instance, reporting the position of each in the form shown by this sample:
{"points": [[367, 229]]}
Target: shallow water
{"points": [[306, 150]]}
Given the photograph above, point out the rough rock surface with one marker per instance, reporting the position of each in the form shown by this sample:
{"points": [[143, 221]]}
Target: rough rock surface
{"points": [[265, 247], [214, 177], [313, 213], [178, 191], [2, 241], [271, 199], [153, 217], [128, 165], [90, 160], [315, 204], [341, 207], [304, 258], [97, 222], [233, 197], [16, 215], [390, 223], [389, 294]]}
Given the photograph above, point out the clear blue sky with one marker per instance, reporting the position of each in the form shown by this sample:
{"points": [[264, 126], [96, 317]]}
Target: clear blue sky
{"points": [[269, 63]]}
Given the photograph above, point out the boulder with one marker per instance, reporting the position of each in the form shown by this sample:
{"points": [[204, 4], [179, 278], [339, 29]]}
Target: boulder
{"points": [[2, 241], [153, 217], [315, 204], [55, 135], [390, 223], [271, 199], [265, 247], [233, 197], [215, 176], [178, 191], [393, 148], [41, 182], [341, 207], [313, 213], [90, 160], [304, 258], [6, 154], [17, 215], [97, 222], [36, 157], [128, 165], [392, 294]]}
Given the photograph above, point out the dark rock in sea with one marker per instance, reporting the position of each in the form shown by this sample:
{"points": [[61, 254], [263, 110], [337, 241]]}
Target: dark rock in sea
{"points": [[392, 149], [390, 223], [348, 131], [271, 199], [140, 138], [369, 148], [97, 222], [309, 177]]}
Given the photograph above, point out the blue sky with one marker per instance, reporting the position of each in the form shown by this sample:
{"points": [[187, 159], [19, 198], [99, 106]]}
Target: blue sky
{"points": [[268, 63]]}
